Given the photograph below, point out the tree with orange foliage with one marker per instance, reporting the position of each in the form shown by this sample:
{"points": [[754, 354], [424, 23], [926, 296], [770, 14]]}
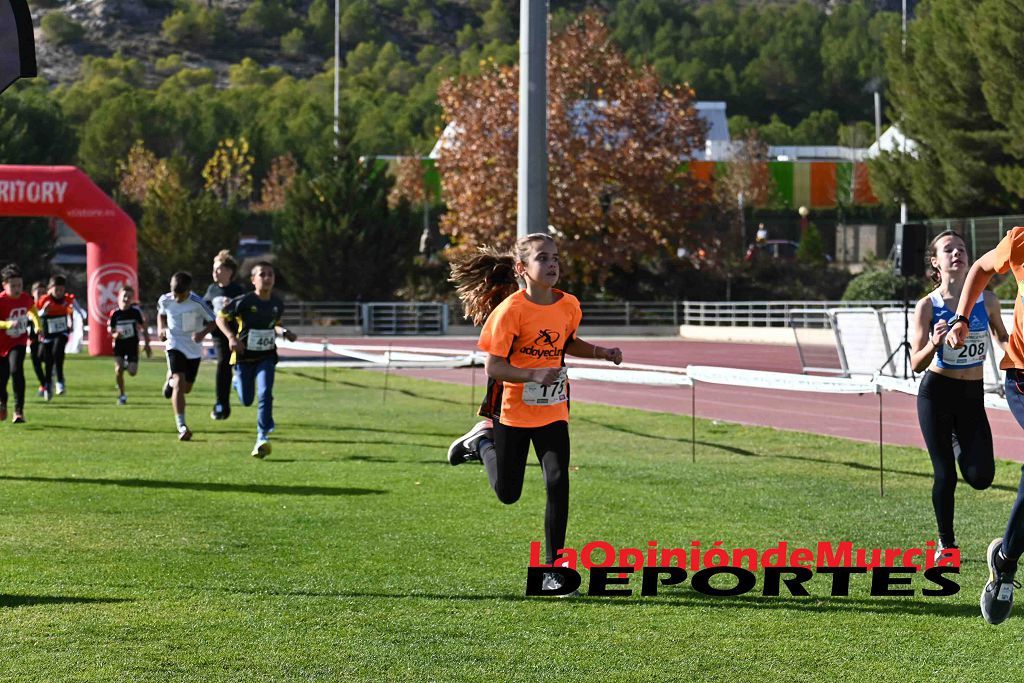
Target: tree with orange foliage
{"points": [[618, 142], [279, 179]]}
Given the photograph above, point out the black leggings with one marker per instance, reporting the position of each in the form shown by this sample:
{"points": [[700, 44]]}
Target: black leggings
{"points": [[53, 358], [13, 367], [36, 351], [506, 469], [224, 374], [956, 431]]}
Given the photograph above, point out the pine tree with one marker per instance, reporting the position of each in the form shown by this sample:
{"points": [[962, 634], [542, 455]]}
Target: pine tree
{"points": [[936, 92], [337, 239], [996, 42]]}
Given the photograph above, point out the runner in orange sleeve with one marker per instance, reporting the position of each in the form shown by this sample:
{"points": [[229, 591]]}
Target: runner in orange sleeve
{"points": [[526, 333], [1003, 553], [55, 312]]}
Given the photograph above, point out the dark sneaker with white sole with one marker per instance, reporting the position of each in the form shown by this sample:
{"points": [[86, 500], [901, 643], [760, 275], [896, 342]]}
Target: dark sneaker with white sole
{"points": [[944, 549], [552, 582], [997, 598], [463, 449]]}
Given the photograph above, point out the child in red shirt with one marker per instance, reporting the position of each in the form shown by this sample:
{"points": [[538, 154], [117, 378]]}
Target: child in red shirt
{"points": [[16, 309]]}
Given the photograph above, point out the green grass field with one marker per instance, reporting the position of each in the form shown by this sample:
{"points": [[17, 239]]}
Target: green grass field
{"points": [[356, 553]]}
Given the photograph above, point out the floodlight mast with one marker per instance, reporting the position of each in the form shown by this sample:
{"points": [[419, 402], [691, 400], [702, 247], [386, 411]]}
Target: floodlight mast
{"points": [[532, 214], [337, 67]]}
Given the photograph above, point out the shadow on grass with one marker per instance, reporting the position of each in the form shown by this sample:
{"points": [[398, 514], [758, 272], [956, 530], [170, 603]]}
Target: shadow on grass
{"points": [[405, 392], [626, 430], [820, 604], [29, 600], [214, 487], [753, 454], [349, 428], [350, 442], [77, 427]]}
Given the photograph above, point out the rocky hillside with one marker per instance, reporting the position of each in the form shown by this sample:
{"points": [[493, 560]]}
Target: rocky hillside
{"points": [[134, 27]]}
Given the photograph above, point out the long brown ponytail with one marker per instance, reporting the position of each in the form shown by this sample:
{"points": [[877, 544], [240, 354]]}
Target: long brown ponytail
{"points": [[485, 279]]}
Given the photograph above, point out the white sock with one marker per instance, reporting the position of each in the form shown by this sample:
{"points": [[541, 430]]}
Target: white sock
{"points": [[180, 420]]}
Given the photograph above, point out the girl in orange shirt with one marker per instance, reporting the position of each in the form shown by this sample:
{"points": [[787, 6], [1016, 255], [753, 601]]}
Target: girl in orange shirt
{"points": [[527, 333]]}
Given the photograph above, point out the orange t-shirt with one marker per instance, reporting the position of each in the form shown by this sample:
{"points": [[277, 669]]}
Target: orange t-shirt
{"points": [[54, 313], [1009, 255], [529, 335]]}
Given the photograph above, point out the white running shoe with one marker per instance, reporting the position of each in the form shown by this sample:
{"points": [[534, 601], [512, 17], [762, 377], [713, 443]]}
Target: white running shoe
{"points": [[261, 449], [60, 388]]}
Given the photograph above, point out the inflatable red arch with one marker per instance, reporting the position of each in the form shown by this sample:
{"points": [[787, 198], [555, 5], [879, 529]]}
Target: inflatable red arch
{"points": [[112, 258]]}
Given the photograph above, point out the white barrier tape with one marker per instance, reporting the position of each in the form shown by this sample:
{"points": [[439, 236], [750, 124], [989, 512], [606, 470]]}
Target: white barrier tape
{"points": [[996, 402], [647, 377], [904, 386], [779, 380], [911, 386], [457, 359]]}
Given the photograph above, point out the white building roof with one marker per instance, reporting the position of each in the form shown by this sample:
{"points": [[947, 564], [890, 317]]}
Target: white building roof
{"points": [[893, 140]]}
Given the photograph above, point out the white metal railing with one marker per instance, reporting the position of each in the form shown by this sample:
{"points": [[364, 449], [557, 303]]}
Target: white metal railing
{"points": [[399, 318], [434, 317], [323, 314]]}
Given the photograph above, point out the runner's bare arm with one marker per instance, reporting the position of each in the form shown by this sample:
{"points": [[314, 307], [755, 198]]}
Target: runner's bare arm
{"points": [[582, 349], [501, 370], [925, 339], [995, 320], [977, 279]]}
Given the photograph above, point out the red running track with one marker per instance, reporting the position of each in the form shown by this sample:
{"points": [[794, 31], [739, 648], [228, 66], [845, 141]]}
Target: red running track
{"points": [[842, 415]]}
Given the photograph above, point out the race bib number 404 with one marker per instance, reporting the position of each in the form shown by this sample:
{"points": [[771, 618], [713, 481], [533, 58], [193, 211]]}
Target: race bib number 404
{"points": [[260, 340], [547, 394]]}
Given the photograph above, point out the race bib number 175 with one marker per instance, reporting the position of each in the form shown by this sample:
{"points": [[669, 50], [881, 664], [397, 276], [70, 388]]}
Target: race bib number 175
{"points": [[547, 394]]}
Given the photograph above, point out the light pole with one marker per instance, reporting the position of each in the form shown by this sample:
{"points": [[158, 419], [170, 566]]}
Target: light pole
{"points": [[804, 212], [337, 59], [532, 214]]}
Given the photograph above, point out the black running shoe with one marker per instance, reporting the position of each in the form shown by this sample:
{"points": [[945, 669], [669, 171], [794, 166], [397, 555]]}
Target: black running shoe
{"points": [[997, 598], [168, 389], [943, 548], [552, 582], [460, 451]]}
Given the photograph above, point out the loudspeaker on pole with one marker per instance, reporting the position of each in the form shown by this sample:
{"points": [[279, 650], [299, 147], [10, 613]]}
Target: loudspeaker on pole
{"points": [[911, 245]]}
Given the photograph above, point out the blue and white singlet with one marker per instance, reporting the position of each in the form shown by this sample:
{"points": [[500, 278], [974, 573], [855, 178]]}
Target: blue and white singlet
{"points": [[972, 353]]}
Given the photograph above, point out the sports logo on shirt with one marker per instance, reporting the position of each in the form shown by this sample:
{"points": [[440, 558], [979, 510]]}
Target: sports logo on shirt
{"points": [[547, 337]]}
